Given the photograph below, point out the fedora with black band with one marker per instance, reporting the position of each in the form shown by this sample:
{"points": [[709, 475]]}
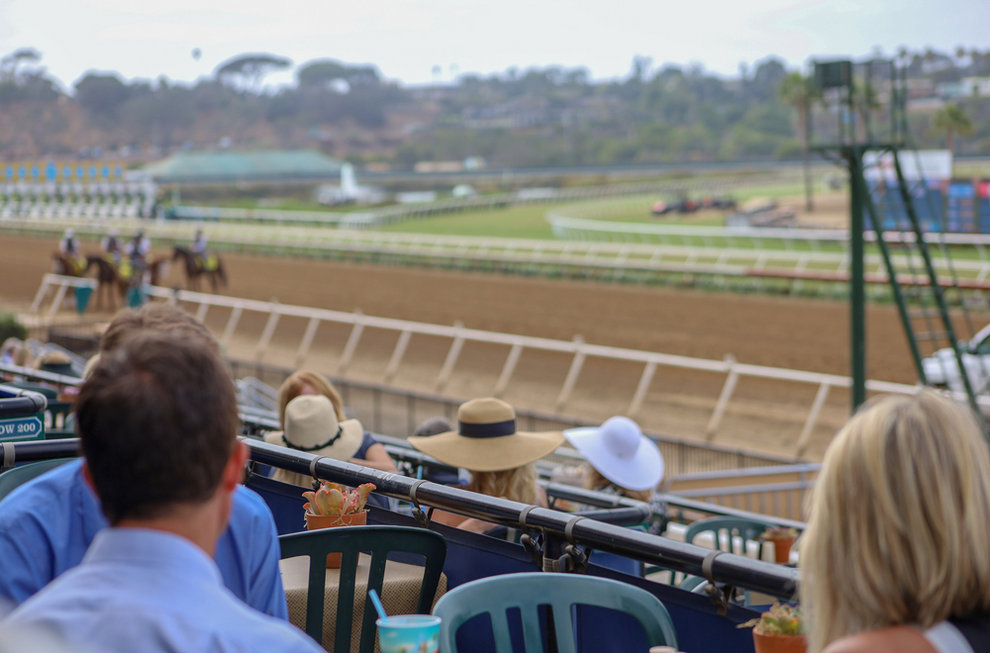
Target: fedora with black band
{"points": [[311, 425], [486, 439]]}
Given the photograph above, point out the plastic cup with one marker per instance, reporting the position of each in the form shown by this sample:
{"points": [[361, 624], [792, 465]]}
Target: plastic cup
{"points": [[409, 633]]}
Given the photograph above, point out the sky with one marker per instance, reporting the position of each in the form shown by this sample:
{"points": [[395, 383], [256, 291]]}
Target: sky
{"points": [[428, 41]]}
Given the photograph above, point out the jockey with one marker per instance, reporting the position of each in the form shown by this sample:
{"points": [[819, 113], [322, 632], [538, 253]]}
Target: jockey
{"points": [[138, 247], [68, 245], [111, 247], [69, 248], [199, 248]]}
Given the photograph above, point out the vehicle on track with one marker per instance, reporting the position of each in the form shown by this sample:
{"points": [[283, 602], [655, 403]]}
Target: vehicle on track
{"points": [[942, 369]]}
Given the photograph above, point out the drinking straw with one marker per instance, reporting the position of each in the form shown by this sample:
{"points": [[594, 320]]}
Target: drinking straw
{"points": [[377, 602]]}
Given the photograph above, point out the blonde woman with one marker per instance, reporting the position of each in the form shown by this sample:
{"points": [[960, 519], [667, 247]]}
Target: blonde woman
{"points": [[499, 458], [895, 554], [305, 382]]}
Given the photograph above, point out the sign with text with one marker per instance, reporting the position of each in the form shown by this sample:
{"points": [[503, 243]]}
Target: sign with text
{"points": [[22, 428]]}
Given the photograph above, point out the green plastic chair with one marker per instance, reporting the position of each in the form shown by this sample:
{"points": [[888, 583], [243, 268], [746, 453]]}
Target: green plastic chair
{"points": [[528, 591], [17, 476], [729, 534], [349, 541]]}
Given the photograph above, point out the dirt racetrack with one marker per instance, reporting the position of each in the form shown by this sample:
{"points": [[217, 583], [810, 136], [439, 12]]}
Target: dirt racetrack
{"points": [[803, 334]]}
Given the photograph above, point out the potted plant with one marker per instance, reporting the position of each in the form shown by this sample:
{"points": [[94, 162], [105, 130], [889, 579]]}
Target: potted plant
{"points": [[336, 505], [783, 539], [778, 630]]}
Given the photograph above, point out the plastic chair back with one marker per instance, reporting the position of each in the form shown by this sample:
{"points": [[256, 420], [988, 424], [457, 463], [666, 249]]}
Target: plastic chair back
{"points": [[17, 476], [350, 541], [729, 534], [528, 591]]}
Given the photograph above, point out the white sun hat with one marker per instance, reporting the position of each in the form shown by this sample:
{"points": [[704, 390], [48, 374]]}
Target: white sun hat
{"points": [[620, 452]]}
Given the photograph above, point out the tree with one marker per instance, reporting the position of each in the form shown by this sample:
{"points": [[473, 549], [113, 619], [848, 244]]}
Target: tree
{"points": [[102, 96], [798, 91], [954, 120], [251, 67], [10, 63]]}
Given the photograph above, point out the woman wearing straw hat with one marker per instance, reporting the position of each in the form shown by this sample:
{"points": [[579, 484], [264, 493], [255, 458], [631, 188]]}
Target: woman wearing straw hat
{"points": [[311, 425], [621, 460], [499, 458], [305, 382]]}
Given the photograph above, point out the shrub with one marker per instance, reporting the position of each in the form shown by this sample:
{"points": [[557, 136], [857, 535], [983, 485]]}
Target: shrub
{"points": [[11, 327]]}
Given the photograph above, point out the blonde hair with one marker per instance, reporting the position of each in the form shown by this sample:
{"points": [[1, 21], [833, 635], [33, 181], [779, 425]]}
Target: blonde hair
{"points": [[516, 484], [292, 388], [898, 523], [593, 480]]}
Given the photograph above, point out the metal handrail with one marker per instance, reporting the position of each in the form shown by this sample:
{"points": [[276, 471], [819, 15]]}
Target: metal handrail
{"points": [[727, 568], [733, 570]]}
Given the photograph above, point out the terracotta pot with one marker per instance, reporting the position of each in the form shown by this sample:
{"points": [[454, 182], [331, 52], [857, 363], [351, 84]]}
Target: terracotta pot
{"points": [[314, 522], [782, 550], [779, 643]]}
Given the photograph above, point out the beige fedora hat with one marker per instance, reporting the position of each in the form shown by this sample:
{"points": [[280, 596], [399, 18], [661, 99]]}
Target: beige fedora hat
{"points": [[311, 425], [486, 439]]}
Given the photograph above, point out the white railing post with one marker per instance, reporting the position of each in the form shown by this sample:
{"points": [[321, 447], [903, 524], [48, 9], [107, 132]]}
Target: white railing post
{"points": [[40, 295], [397, 354], [235, 317], [266, 335], [641, 389], [809, 424], [451, 360], [572, 374], [352, 342], [307, 340], [57, 302], [507, 369], [723, 398], [201, 311]]}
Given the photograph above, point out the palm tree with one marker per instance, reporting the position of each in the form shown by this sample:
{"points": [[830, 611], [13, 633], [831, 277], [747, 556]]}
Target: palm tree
{"points": [[798, 91], [866, 102], [954, 120]]}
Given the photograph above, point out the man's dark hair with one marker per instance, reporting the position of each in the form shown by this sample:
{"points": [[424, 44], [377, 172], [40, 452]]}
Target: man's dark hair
{"points": [[157, 420], [154, 316]]}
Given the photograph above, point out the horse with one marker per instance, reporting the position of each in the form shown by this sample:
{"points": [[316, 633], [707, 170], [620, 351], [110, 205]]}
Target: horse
{"points": [[108, 280], [195, 268], [72, 266], [157, 269]]}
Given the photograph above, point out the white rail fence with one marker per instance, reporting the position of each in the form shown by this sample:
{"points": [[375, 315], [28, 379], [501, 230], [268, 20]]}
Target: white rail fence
{"points": [[685, 250], [578, 350]]}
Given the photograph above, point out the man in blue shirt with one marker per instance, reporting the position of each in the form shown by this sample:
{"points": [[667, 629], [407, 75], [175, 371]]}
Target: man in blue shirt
{"points": [[47, 524], [157, 421]]}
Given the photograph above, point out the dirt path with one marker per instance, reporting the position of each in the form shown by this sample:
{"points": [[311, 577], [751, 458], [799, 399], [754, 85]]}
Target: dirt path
{"points": [[793, 333]]}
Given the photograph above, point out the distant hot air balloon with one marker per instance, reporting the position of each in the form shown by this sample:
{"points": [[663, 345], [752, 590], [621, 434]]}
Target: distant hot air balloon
{"points": [[197, 53]]}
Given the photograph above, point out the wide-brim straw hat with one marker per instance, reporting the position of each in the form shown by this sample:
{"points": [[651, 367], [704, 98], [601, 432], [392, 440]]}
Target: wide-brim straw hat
{"points": [[486, 439], [620, 452], [311, 425]]}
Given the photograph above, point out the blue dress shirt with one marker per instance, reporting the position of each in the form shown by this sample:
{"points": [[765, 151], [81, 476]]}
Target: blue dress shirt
{"points": [[47, 524], [155, 592]]}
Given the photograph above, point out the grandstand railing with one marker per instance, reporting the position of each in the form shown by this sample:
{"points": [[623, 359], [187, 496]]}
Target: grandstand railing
{"points": [[558, 528]]}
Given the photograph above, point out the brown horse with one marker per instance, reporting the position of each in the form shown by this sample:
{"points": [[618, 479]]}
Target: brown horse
{"points": [[195, 268], [157, 269], [109, 281], [68, 265]]}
